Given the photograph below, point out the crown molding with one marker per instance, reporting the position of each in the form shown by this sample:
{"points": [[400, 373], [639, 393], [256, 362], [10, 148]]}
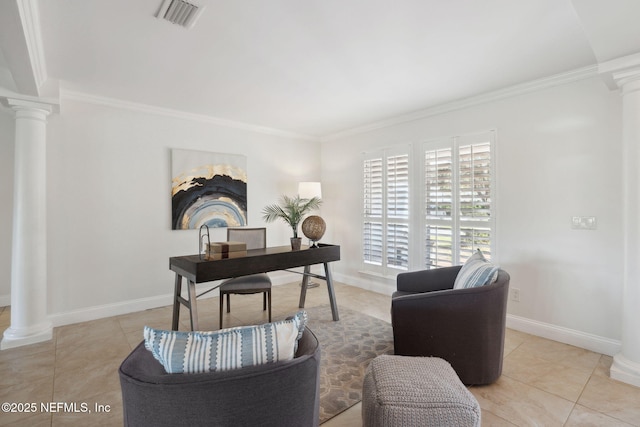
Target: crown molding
{"points": [[520, 89], [145, 108], [617, 72], [30, 19]]}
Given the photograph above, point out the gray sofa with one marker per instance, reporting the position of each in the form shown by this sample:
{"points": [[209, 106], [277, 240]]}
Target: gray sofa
{"points": [[278, 394], [465, 327]]}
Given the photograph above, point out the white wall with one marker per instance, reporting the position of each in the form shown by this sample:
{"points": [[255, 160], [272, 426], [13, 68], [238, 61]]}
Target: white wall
{"points": [[109, 212], [6, 200], [109, 237], [558, 155]]}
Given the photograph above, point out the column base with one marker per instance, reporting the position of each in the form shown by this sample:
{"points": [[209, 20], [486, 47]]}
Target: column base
{"points": [[625, 370], [17, 337]]}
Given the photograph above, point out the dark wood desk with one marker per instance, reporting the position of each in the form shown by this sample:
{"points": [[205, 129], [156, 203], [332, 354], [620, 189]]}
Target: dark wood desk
{"points": [[197, 270]]}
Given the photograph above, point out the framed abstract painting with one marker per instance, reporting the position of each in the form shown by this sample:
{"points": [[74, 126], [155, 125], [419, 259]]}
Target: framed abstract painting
{"points": [[208, 189]]}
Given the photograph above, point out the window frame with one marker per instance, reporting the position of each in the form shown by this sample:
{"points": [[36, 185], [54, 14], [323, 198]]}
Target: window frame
{"points": [[417, 219], [457, 222], [385, 219]]}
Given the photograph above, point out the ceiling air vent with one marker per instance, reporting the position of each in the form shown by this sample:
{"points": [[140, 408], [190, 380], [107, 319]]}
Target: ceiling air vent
{"points": [[180, 12]]}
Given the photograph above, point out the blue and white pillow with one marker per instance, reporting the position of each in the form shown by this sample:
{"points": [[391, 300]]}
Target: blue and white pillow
{"points": [[233, 348], [475, 272]]}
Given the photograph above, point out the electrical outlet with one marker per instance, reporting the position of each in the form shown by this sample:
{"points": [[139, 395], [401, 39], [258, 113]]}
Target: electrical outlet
{"points": [[515, 294]]}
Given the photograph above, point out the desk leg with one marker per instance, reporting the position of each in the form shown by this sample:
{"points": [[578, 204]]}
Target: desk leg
{"points": [[193, 307], [303, 286], [176, 302], [332, 294]]}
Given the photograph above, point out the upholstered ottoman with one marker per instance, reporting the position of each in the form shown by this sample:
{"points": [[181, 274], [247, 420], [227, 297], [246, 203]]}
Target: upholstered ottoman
{"points": [[416, 391]]}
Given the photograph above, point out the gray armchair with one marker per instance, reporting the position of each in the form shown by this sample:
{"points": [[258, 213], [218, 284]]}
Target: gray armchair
{"points": [[465, 327], [279, 394]]}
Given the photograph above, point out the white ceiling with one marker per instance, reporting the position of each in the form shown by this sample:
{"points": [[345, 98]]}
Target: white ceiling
{"points": [[311, 67]]}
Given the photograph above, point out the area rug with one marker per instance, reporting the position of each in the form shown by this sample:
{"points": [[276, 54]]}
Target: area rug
{"points": [[347, 346]]}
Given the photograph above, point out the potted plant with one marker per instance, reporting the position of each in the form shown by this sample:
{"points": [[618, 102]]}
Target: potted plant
{"points": [[291, 210]]}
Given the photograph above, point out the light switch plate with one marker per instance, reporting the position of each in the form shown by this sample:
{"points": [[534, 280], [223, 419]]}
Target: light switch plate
{"points": [[584, 222]]}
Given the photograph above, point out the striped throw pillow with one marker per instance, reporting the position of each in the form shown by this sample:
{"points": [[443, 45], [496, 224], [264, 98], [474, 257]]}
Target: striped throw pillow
{"points": [[477, 271], [233, 348]]}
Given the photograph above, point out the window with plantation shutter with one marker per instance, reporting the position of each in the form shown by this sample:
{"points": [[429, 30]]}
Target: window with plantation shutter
{"points": [[372, 227], [458, 199], [475, 199], [432, 212], [386, 203], [438, 189]]}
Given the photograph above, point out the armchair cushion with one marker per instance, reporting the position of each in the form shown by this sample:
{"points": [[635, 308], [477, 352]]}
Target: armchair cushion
{"points": [[476, 271], [233, 348], [436, 279]]}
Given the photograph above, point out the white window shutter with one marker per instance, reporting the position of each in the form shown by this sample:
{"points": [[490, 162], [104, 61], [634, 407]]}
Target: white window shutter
{"points": [[386, 210], [476, 196], [438, 183], [372, 243], [475, 182], [397, 238], [458, 199], [456, 202], [372, 235], [373, 187], [438, 246], [439, 207]]}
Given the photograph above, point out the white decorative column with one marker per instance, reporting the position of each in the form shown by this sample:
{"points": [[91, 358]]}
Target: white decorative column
{"points": [[29, 323], [625, 74]]}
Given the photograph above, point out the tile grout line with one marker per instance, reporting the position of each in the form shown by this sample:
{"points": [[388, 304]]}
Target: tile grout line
{"points": [[56, 331], [585, 387], [540, 389]]}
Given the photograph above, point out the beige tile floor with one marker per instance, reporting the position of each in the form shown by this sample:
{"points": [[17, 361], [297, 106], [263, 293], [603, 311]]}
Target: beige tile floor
{"points": [[544, 383]]}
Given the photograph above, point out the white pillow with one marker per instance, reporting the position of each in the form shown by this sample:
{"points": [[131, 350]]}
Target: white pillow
{"points": [[233, 348], [477, 271]]}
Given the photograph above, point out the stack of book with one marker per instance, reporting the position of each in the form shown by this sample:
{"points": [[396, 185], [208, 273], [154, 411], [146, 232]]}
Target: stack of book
{"points": [[222, 250]]}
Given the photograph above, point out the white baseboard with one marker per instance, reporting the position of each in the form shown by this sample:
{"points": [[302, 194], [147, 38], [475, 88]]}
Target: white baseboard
{"points": [[557, 333], [580, 339], [12, 338], [140, 304], [367, 283], [109, 310], [625, 370]]}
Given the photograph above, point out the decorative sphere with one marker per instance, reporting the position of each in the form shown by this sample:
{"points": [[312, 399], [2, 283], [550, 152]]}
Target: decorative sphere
{"points": [[313, 227]]}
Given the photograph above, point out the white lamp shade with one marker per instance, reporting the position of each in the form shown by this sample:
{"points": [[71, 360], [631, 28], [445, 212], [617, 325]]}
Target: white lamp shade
{"points": [[309, 190]]}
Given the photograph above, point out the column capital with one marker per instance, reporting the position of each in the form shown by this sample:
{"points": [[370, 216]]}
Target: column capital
{"points": [[17, 102], [21, 104], [620, 71]]}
